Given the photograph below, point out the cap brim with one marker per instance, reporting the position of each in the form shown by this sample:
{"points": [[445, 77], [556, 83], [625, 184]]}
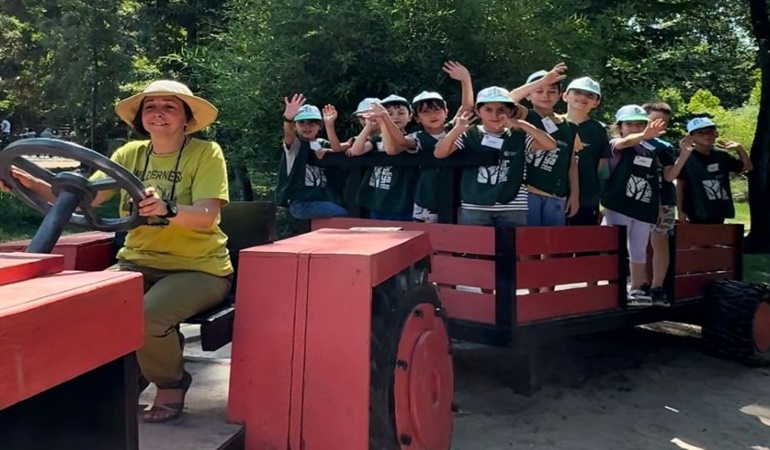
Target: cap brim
{"points": [[308, 116], [593, 91], [638, 118], [500, 99], [702, 128], [204, 113]]}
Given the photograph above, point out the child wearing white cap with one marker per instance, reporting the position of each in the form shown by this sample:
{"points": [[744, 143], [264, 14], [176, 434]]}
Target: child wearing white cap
{"points": [[703, 186], [631, 197], [386, 192], [582, 96], [552, 176], [309, 191], [495, 195], [430, 112]]}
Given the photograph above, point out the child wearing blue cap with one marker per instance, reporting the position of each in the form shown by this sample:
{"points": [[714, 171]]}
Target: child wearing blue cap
{"points": [[495, 195], [703, 186], [631, 197], [582, 96], [552, 176], [309, 191]]}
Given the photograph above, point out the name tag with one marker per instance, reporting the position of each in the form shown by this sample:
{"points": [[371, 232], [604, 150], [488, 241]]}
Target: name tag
{"points": [[492, 142], [549, 126], [713, 167], [647, 145], [315, 146], [643, 161]]}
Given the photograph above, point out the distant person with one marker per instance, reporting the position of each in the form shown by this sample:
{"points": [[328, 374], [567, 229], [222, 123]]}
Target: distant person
{"points": [[703, 186], [47, 133], [5, 132]]}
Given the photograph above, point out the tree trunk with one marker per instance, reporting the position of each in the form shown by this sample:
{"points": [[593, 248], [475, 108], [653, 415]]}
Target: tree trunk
{"points": [[758, 240]]}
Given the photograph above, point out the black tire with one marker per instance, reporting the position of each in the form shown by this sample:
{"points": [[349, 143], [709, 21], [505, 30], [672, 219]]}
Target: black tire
{"points": [[393, 303], [729, 321]]}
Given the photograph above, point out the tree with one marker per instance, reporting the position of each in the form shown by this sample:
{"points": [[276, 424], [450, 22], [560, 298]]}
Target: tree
{"points": [[758, 240]]}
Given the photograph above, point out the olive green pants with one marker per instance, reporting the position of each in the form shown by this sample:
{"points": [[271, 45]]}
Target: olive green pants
{"points": [[170, 298]]}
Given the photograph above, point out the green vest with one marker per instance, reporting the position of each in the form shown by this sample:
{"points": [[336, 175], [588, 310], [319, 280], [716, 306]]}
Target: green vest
{"points": [[633, 188], [305, 182], [548, 170], [593, 135], [387, 189], [708, 197], [426, 194], [664, 151], [494, 184]]}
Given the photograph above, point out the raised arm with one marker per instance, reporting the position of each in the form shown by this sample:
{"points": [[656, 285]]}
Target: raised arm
{"points": [[330, 116], [554, 76], [653, 130], [289, 113], [445, 147], [670, 173], [362, 145], [541, 139], [458, 72], [748, 166], [393, 139]]}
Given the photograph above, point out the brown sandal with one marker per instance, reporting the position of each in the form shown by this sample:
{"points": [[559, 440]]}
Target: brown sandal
{"points": [[175, 409]]}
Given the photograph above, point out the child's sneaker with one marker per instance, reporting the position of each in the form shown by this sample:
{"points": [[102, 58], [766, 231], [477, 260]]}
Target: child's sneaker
{"points": [[658, 296], [646, 288], [637, 297]]}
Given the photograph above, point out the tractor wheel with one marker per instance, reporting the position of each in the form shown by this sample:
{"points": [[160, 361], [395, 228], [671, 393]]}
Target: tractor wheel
{"points": [[737, 322], [412, 379]]}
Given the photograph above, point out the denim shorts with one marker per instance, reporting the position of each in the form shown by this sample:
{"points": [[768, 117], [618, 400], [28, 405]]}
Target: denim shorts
{"points": [[492, 218], [545, 211], [315, 210]]}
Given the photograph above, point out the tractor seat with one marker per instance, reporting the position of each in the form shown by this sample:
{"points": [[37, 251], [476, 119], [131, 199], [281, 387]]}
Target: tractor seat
{"points": [[246, 224]]}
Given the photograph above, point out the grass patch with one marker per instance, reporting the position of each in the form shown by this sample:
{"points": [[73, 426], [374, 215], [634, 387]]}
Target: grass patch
{"points": [[756, 268], [741, 215]]}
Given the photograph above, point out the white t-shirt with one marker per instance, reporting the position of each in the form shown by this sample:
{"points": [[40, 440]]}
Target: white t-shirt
{"points": [[5, 127]]}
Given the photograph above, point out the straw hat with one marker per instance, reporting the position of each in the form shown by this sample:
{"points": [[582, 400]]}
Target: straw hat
{"points": [[204, 113]]}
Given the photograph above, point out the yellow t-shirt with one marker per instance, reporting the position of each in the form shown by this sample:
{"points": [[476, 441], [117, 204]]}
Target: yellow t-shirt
{"points": [[162, 244]]}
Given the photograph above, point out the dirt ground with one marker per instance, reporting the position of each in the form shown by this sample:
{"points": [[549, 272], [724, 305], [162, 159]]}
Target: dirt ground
{"points": [[634, 390], [642, 390]]}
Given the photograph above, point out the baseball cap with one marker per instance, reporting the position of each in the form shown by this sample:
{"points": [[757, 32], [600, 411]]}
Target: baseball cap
{"points": [[700, 123], [494, 94], [308, 112], [631, 113], [587, 84], [395, 100], [536, 76], [365, 104], [425, 95]]}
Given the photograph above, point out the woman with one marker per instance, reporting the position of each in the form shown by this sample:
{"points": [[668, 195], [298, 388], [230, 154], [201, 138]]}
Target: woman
{"points": [[181, 251]]}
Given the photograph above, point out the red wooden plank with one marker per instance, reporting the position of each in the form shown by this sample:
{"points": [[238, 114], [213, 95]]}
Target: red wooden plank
{"points": [[96, 256], [554, 240], [444, 238], [64, 325], [446, 269], [550, 305], [692, 286], [700, 259], [468, 305], [15, 267], [88, 251], [556, 271], [689, 235]]}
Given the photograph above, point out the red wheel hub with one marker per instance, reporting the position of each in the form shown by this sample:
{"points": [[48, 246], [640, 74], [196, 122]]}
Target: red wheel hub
{"points": [[762, 327], [424, 382]]}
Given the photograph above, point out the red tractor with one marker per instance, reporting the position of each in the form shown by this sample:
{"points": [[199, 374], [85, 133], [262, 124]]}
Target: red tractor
{"points": [[342, 335]]}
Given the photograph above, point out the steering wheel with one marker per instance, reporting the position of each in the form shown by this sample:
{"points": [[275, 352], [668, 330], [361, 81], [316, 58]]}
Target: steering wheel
{"points": [[72, 189]]}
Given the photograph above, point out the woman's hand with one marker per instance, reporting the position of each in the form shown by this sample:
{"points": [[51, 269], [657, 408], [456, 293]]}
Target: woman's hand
{"points": [[25, 179], [152, 205]]}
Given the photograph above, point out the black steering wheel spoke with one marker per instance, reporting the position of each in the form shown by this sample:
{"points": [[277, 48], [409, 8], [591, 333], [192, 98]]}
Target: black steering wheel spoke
{"points": [[73, 191], [105, 184]]}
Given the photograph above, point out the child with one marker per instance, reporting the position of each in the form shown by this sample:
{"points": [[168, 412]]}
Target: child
{"points": [[632, 194], [309, 191], [582, 96], [552, 176], [431, 114], [387, 192], [495, 195], [703, 186], [665, 226]]}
